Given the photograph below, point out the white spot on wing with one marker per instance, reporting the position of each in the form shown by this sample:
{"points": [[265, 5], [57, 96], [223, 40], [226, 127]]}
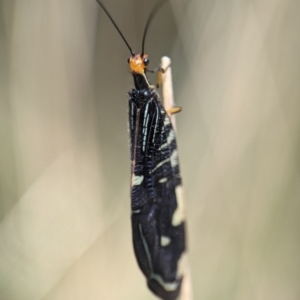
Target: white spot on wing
{"points": [[146, 113], [178, 216], [136, 179], [167, 286], [164, 241], [146, 248], [145, 128], [162, 180]]}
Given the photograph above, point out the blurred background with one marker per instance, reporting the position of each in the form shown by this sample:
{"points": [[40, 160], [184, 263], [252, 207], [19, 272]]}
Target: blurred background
{"points": [[64, 156]]}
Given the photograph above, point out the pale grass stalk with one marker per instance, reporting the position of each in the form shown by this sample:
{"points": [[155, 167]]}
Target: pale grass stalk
{"points": [[168, 101]]}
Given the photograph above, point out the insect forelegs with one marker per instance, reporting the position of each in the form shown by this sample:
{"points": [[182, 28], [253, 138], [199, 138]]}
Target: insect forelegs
{"points": [[159, 71]]}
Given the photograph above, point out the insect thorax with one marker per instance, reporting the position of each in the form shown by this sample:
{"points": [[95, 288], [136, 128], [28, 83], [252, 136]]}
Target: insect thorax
{"points": [[141, 81]]}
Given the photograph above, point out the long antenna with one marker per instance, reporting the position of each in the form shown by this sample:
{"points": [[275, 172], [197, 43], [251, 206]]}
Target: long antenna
{"points": [[151, 16], [121, 34]]}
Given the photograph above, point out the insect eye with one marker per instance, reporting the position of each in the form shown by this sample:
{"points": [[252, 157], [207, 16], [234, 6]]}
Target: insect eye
{"points": [[146, 61], [128, 60]]}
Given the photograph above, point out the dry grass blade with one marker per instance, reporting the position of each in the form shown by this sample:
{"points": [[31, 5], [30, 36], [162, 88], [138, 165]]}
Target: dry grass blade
{"points": [[168, 100]]}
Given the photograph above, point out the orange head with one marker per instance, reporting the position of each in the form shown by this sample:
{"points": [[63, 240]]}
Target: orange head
{"points": [[138, 63]]}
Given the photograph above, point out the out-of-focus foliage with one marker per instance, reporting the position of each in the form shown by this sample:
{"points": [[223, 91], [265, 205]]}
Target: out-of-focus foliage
{"points": [[64, 157]]}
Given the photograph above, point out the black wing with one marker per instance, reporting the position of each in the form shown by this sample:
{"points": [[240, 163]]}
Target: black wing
{"points": [[156, 200]]}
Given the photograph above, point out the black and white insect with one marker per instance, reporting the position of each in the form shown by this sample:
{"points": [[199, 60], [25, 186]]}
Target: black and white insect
{"points": [[156, 188]]}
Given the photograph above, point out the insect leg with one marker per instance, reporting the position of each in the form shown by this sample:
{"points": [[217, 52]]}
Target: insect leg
{"points": [[159, 71], [174, 110]]}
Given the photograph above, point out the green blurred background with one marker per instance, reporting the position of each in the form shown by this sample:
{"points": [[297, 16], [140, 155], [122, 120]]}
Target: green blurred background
{"points": [[64, 155]]}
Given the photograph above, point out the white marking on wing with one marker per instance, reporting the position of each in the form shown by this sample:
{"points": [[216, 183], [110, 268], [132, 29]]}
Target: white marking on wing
{"points": [[145, 129], [164, 241], [174, 158], [171, 136], [166, 120], [163, 146], [167, 286], [162, 180], [136, 179], [178, 215]]}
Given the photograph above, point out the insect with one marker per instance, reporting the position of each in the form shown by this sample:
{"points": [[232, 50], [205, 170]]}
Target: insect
{"points": [[156, 189]]}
